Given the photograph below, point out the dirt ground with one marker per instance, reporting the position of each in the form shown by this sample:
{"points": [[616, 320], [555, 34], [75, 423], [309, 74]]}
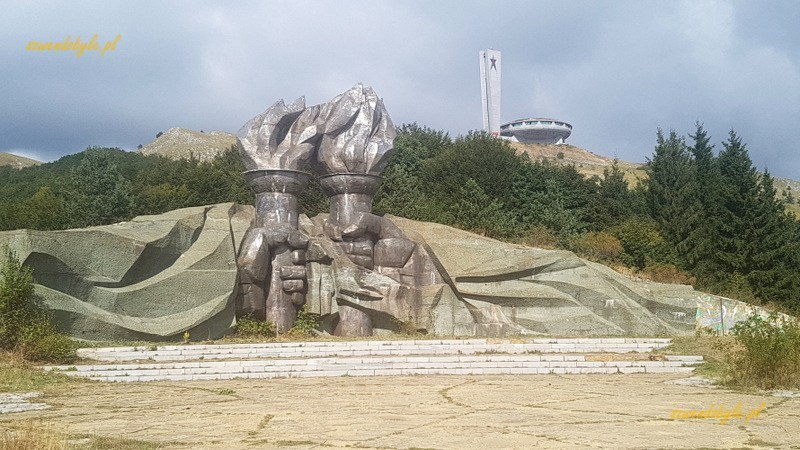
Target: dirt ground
{"points": [[551, 411]]}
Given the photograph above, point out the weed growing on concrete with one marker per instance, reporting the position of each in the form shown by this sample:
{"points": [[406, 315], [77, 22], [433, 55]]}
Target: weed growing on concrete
{"points": [[405, 327]]}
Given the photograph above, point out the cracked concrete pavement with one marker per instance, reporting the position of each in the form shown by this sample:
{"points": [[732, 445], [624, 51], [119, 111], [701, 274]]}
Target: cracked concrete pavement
{"points": [[571, 411]]}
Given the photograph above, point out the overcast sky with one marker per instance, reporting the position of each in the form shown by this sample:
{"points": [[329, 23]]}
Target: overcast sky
{"points": [[616, 70]]}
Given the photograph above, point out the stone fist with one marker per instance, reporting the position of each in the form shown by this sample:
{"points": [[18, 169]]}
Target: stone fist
{"points": [[371, 241], [272, 257]]}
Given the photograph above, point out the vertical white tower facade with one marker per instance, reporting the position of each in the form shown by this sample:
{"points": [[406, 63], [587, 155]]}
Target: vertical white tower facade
{"points": [[490, 90]]}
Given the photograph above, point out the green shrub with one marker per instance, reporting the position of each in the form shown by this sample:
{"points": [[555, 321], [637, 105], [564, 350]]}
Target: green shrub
{"points": [[40, 342], [770, 353], [16, 300], [249, 327], [24, 325], [643, 244], [599, 245], [540, 237], [667, 273], [305, 324], [736, 286]]}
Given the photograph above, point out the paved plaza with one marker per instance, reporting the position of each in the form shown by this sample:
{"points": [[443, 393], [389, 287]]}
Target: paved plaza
{"points": [[446, 397]]}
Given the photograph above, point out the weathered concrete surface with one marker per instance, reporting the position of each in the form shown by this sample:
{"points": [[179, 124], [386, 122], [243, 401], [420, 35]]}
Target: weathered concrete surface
{"points": [[151, 278], [516, 289], [459, 283], [16, 403], [157, 276], [550, 411]]}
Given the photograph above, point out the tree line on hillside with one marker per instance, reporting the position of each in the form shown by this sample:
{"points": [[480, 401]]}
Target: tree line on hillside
{"points": [[700, 218]]}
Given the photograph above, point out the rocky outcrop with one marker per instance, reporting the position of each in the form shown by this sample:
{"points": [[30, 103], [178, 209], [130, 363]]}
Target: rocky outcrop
{"points": [[158, 276]]}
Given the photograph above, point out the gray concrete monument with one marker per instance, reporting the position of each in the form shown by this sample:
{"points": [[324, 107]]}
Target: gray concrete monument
{"points": [[347, 142], [157, 276], [490, 90]]}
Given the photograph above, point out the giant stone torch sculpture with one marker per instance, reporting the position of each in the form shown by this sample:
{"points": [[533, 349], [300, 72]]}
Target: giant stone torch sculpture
{"points": [[354, 149], [351, 139], [275, 146]]}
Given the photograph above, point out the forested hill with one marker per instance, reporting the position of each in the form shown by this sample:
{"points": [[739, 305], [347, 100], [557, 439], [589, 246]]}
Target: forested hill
{"points": [[590, 164], [698, 215]]}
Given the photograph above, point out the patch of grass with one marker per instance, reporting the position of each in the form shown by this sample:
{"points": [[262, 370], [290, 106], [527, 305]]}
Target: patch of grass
{"points": [[291, 443], [33, 434], [715, 351], [18, 375], [226, 391], [94, 442], [761, 443]]}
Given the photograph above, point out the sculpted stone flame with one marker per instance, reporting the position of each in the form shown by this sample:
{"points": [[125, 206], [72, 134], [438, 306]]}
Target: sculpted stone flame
{"points": [[282, 137], [359, 135]]}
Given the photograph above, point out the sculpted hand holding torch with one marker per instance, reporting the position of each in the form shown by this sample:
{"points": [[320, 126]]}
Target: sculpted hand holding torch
{"points": [[275, 146], [354, 149]]}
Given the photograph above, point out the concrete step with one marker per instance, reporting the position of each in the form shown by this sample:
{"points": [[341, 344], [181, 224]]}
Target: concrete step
{"points": [[374, 366], [372, 348], [428, 357]]}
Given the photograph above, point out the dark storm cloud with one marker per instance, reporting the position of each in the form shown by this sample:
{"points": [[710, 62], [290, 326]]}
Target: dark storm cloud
{"points": [[616, 70]]}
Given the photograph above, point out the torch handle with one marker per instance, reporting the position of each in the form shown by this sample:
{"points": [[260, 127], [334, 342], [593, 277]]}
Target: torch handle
{"points": [[280, 309]]}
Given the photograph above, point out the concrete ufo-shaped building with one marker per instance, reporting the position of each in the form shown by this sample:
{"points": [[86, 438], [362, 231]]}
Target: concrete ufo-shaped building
{"points": [[537, 130]]}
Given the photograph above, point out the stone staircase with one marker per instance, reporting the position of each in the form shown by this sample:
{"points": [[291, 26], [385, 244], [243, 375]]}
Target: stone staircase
{"points": [[376, 358]]}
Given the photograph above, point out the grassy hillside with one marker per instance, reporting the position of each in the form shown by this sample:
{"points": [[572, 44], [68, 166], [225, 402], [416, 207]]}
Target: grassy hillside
{"points": [[7, 159]]}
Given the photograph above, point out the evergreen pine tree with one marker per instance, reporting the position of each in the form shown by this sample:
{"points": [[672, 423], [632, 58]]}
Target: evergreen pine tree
{"points": [[738, 196], [101, 194], [671, 190], [703, 212], [613, 202], [768, 263]]}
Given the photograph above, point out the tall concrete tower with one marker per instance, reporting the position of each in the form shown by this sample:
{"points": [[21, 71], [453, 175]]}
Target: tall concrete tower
{"points": [[490, 90]]}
